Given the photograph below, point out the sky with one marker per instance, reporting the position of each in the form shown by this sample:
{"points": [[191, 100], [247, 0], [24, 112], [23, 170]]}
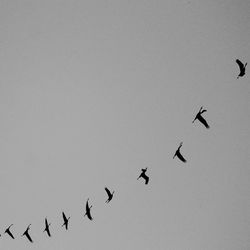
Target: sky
{"points": [[93, 91]]}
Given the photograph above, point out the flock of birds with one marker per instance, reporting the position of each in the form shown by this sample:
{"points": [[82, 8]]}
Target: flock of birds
{"points": [[143, 175]]}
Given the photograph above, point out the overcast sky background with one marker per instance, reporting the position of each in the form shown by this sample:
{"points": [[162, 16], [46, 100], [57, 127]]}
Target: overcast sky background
{"points": [[93, 91]]}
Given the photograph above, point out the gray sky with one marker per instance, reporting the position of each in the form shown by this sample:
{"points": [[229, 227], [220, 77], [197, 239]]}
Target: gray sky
{"points": [[93, 91]]}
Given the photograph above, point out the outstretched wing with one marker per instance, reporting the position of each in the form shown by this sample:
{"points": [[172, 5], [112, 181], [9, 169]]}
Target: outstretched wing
{"points": [[87, 205], [9, 233], [89, 215], [179, 155], [204, 122], [29, 238], [64, 217], [108, 192], [240, 64], [46, 223]]}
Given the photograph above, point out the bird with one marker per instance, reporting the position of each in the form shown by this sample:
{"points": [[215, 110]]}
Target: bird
{"points": [[65, 221], [110, 195], [143, 175], [26, 233], [178, 154], [242, 68], [88, 210], [9, 232], [200, 118], [47, 227]]}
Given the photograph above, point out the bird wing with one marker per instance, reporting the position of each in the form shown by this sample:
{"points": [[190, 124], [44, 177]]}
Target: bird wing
{"points": [[89, 215], [194, 119], [87, 206], [174, 155], [179, 155], [108, 192], [240, 64], [28, 236], [203, 121], [146, 179], [64, 216], [10, 234]]}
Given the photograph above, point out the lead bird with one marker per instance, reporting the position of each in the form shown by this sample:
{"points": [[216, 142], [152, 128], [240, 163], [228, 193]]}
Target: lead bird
{"points": [[47, 225], [110, 195], [88, 208], [242, 68], [9, 232], [200, 118], [178, 154], [65, 221], [26, 233], [143, 175]]}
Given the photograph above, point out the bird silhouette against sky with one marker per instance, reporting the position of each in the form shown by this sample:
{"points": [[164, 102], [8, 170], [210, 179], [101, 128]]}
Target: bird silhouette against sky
{"points": [[242, 68], [65, 221], [143, 175], [110, 195], [7, 231], [88, 210], [47, 225], [200, 118], [26, 233], [178, 154]]}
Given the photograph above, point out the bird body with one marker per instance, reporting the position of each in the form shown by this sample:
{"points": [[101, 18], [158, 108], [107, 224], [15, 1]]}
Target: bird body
{"points": [[143, 175], [178, 154], [26, 233], [200, 118], [47, 227], [88, 210], [9, 232], [110, 195], [65, 221], [242, 68]]}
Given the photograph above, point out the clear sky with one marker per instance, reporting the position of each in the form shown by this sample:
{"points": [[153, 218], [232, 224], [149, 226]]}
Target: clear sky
{"points": [[93, 91]]}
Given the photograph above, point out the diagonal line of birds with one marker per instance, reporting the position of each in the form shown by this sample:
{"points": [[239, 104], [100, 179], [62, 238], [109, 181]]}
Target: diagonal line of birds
{"points": [[143, 175]]}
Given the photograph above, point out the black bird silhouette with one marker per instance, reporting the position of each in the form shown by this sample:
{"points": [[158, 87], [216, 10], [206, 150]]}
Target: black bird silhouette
{"points": [[200, 118], [242, 68], [178, 154], [9, 232], [88, 210], [65, 221], [143, 175], [110, 195], [47, 227], [26, 233]]}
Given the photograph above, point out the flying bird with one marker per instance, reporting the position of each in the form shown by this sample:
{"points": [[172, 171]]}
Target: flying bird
{"points": [[26, 233], [9, 232], [143, 175], [65, 221], [200, 118], [178, 154], [242, 68], [110, 195], [47, 227], [88, 210]]}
